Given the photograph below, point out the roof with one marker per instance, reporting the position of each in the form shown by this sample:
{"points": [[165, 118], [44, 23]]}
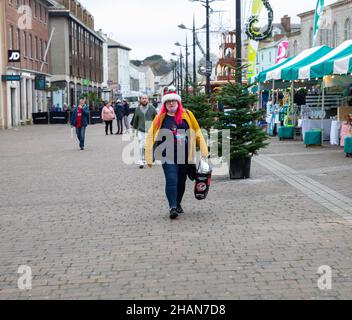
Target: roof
{"points": [[114, 44], [145, 68], [272, 44], [56, 12]]}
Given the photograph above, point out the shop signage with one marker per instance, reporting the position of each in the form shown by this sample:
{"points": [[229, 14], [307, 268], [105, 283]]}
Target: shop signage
{"points": [[86, 82], [40, 83], [14, 56], [10, 77]]}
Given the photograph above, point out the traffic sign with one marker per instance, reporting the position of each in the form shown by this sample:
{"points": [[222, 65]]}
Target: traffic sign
{"points": [[209, 67]]}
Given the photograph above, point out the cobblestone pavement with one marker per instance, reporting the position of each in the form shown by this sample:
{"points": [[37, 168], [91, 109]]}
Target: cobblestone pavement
{"points": [[92, 227]]}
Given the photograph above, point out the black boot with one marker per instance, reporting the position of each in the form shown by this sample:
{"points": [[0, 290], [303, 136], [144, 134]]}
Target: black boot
{"points": [[173, 214], [179, 209]]}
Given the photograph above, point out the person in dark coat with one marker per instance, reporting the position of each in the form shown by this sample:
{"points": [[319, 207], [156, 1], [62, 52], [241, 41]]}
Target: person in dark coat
{"points": [[119, 111], [126, 109]]}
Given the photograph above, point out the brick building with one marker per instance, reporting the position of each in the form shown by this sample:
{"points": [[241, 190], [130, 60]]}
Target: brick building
{"points": [[76, 53], [26, 29], [3, 64]]}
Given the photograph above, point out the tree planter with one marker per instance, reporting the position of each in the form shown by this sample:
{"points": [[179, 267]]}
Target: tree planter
{"points": [[240, 168], [95, 117], [58, 117], [40, 118]]}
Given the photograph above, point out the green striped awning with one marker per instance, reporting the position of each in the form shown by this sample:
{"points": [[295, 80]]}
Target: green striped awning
{"points": [[337, 61]]}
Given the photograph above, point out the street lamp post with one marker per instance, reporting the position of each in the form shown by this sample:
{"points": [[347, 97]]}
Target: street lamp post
{"points": [[187, 69], [194, 57], [179, 71], [206, 4], [208, 64], [238, 42], [194, 30]]}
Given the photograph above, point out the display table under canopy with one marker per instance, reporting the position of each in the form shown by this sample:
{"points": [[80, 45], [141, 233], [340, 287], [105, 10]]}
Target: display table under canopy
{"points": [[310, 124]]}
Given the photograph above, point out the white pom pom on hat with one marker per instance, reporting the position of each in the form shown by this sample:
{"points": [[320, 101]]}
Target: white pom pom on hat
{"points": [[170, 94]]}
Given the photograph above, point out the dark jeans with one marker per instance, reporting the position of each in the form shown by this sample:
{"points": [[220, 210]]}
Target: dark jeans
{"points": [[81, 135], [107, 125], [175, 176], [119, 125]]}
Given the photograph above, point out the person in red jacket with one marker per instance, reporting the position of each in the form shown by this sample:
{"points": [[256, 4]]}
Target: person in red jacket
{"points": [[80, 120]]}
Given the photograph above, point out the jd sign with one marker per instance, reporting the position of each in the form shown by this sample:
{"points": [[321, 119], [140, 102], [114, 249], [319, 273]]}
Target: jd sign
{"points": [[14, 56]]}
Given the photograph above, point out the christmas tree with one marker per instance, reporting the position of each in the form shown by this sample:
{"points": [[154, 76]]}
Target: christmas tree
{"points": [[201, 107], [240, 118]]}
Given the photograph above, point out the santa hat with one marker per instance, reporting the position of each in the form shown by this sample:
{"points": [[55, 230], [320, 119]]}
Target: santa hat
{"points": [[170, 94]]}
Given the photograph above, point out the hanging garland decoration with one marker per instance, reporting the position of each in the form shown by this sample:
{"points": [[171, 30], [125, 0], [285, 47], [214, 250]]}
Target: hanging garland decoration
{"points": [[252, 32]]}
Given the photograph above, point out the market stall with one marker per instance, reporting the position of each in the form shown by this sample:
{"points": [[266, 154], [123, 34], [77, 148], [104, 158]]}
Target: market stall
{"points": [[325, 102]]}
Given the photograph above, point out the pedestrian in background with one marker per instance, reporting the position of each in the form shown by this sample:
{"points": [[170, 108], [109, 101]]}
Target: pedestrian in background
{"points": [[119, 111], [79, 120], [178, 131], [108, 115], [143, 118], [126, 109]]}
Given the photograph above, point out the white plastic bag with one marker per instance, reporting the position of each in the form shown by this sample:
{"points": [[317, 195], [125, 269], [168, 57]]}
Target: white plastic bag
{"points": [[204, 167]]}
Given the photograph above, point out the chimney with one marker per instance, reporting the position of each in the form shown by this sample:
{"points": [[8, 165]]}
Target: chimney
{"points": [[286, 23]]}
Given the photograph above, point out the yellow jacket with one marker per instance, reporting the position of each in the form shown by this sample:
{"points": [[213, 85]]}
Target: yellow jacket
{"points": [[196, 137]]}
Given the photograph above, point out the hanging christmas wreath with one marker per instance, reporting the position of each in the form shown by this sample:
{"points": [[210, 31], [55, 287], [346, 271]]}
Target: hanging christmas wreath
{"points": [[253, 32]]}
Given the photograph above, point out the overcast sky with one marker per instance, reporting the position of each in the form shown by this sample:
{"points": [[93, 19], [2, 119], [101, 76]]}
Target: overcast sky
{"points": [[150, 26]]}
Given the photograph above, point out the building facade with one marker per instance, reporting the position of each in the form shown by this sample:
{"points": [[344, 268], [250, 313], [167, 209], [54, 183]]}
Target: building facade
{"points": [[336, 27], [266, 55], [76, 53], [149, 80], [106, 94], [3, 65], [137, 81], [119, 69], [26, 30], [268, 49]]}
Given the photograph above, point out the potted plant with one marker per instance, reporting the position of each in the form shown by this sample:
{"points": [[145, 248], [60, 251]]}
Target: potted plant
{"points": [[240, 118]]}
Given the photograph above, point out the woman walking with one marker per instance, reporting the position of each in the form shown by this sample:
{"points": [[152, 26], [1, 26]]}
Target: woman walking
{"points": [[173, 138], [108, 116]]}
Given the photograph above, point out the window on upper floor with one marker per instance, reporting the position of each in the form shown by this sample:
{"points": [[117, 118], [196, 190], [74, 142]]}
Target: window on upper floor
{"points": [[36, 48], [30, 46], [311, 37], [335, 40], [348, 29], [24, 43], [11, 38], [295, 48], [18, 40]]}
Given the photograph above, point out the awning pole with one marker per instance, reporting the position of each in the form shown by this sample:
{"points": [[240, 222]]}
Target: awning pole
{"points": [[273, 95], [322, 109], [260, 103], [293, 97]]}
